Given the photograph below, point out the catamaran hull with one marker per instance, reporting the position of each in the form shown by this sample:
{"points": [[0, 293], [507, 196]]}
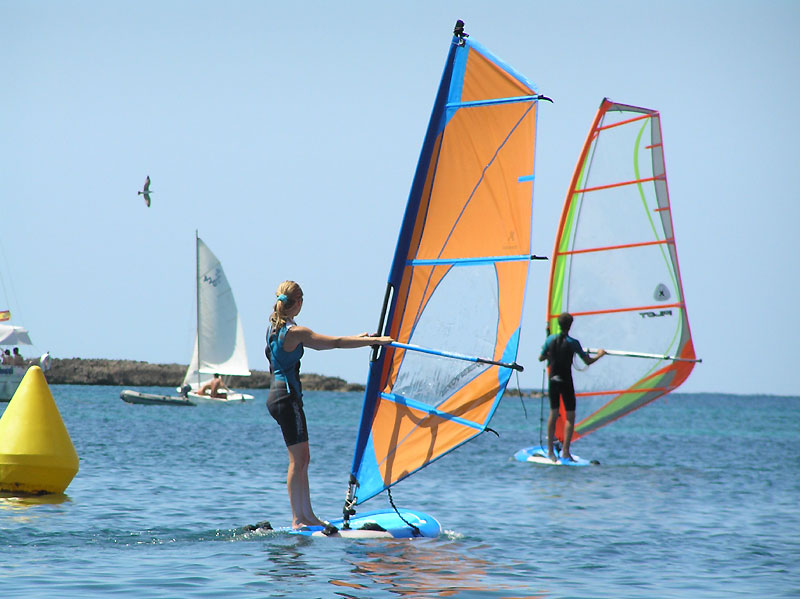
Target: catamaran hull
{"points": [[10, 378], [234, 398], [153, 399], [538, 455], [378, 524]]}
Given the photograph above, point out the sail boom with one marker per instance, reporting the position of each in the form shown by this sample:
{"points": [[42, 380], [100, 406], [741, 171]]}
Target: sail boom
{"points": [[493, 102], [464, 261], [224, 371], [455, 356], [633, 354]]}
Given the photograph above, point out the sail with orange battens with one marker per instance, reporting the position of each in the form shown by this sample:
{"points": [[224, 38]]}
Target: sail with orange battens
{"points": [[456, 287], [615, 269]]}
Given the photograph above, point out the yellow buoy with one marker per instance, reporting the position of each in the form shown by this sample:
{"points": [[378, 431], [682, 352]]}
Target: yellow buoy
{"points": [[36, 453]]}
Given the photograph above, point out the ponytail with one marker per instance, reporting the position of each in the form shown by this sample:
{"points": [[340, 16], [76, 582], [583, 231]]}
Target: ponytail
{"points": [[287, 295]]}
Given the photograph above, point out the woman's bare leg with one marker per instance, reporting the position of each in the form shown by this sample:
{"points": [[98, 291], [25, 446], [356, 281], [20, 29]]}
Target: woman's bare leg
{"points": [[297, 484]]}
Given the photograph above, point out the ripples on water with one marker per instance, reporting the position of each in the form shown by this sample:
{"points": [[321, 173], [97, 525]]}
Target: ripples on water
{"points": [[688, 502]]}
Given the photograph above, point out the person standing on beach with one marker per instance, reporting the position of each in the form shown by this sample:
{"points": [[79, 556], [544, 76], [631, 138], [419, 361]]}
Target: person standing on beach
{"points": [[285, 344], [559, 350]]}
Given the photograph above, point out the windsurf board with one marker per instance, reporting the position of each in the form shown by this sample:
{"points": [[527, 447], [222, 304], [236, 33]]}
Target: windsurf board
{"points": [[386, 523], [538, 455]]}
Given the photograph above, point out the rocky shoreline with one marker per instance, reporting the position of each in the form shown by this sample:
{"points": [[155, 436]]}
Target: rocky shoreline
{"points": [[132, 373]]}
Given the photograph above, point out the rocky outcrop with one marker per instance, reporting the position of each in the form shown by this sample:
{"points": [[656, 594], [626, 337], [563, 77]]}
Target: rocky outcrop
{"points": [[132, 373]]}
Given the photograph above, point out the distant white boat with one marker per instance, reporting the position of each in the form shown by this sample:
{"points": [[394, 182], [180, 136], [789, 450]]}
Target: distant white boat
{"points": [[10, 375], [219, 344]]}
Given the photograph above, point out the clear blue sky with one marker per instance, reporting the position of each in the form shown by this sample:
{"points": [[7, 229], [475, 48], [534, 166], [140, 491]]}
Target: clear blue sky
{"points": [[288, 133]]}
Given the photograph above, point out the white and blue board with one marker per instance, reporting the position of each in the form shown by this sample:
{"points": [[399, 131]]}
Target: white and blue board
{"points": [[387, 524], [538, 455]]}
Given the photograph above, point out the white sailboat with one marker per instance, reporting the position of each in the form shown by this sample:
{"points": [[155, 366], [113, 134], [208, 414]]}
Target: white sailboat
{"points": [[219, 344]]}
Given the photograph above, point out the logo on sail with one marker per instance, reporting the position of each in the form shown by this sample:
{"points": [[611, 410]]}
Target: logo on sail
{"points": [[661, 294], [655, 314], [215, 280]]}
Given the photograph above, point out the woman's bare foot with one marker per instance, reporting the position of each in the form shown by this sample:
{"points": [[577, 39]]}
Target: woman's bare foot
{"points": [[314, 522]]}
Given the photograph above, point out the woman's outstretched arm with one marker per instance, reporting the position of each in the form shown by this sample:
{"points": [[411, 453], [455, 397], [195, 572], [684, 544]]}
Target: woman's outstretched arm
{"points": [[297, 335]]}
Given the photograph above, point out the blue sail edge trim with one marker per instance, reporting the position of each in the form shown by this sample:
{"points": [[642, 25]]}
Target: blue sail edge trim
{"points": [[478, 260], [524, 178], [422, 406]]}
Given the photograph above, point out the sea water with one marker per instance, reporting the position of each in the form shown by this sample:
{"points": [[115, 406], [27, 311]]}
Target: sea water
{"points": [[695, 496]]}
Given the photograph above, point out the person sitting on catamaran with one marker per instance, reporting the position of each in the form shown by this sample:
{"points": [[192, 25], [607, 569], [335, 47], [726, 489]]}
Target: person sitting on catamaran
{"points": [[559, 350], [285, 344], [17, 358], [213, 387]]}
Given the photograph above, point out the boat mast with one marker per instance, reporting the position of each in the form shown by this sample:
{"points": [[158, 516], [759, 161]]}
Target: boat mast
{"points": [[197, 299]]}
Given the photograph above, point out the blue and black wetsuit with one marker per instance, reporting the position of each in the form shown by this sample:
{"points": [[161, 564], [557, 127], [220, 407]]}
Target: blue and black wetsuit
{"points": [[285, 399], [559, 351]]}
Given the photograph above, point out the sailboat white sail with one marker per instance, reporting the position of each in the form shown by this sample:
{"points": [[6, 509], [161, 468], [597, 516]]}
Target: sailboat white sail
{"points": [[219, 344]]}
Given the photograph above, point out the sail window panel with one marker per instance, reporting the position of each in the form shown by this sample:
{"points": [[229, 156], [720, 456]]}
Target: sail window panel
{"points": [[630, 331], [620, 154], [617, 216], [485, 80], [626, 331], [455, 318], [477, 401], [620, 279], [477, 205]]}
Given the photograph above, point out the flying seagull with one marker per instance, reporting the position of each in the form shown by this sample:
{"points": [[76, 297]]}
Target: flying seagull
{"points": [[146, 191]]}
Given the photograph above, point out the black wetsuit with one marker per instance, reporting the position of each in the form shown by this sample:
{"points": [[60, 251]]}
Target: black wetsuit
{"points": [[559, 350], [285, 399]]}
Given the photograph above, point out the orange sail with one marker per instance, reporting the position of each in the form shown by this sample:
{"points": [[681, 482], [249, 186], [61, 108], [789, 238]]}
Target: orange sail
{"points": [[456, 287]]}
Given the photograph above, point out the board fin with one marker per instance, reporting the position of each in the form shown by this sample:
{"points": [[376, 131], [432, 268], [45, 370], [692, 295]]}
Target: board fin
{"points": [[372, 526]]}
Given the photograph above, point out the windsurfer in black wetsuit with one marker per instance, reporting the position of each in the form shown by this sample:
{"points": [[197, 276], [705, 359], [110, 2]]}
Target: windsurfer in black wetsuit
{"points": [[559, 350]]}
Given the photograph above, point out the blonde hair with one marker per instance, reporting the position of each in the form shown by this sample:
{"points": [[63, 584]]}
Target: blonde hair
{"points": [[293, 294]]}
